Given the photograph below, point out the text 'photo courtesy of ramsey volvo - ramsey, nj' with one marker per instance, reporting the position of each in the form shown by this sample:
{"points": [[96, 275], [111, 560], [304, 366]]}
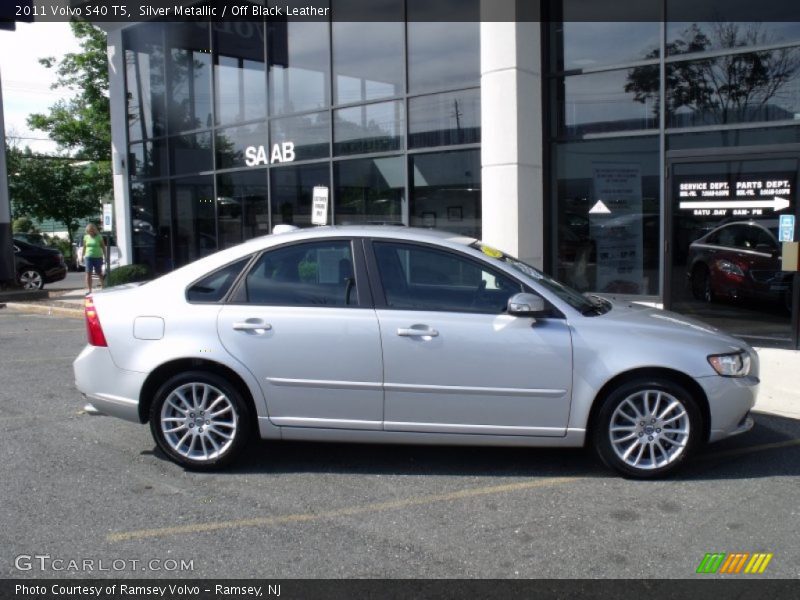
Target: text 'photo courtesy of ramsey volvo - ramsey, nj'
{"points": [[393, 334]]}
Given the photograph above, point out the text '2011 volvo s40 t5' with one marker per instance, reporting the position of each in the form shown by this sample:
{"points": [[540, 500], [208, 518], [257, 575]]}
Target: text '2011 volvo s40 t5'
{"points": [[391, 334]]}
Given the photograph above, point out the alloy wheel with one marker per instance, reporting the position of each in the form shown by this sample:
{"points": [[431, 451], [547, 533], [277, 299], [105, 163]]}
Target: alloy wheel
{"points": [[31, 279], [649, 429], [199, 421]]}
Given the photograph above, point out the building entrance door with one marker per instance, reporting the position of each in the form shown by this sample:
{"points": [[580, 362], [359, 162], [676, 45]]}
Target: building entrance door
{"points": [[723, 251]]}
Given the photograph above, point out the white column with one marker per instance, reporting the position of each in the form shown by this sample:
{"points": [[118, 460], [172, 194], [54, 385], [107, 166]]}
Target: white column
{"points": [[119, 143], [7, 271], [511, 138]]}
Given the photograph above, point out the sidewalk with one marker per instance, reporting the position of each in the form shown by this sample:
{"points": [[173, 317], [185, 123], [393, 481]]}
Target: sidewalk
{"points": [[779, 393]]}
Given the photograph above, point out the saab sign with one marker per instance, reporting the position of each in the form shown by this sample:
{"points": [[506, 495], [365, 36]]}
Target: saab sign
{"points": [[257, 155]]}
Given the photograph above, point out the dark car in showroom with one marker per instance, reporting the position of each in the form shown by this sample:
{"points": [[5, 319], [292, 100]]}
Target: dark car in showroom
{"points": [[741, 259], [36, 265]]}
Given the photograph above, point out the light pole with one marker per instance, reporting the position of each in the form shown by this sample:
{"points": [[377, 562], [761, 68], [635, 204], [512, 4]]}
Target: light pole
{"points": [[7, 271]]}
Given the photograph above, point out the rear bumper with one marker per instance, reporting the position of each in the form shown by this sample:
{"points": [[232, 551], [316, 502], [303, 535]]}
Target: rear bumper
{"points": [[111, 390], [730, 399]]}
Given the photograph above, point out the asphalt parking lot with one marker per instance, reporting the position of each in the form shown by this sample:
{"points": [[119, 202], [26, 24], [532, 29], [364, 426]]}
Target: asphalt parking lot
{"points": [[77, 487]]}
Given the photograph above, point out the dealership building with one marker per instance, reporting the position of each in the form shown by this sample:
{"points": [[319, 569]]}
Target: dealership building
{"points": [[653, 158]]}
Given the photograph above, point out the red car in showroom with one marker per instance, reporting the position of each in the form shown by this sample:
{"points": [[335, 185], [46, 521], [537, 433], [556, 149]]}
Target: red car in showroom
{"points": [[741, 259]]}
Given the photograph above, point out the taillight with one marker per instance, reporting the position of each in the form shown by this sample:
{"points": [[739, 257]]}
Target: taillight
{"points": [[93, 328]]}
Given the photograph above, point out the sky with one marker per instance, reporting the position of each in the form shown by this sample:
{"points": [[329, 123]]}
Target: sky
{"points": [[26, 83]]}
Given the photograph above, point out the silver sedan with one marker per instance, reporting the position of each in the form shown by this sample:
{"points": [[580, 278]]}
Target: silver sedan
{"points": [[389, 334]]}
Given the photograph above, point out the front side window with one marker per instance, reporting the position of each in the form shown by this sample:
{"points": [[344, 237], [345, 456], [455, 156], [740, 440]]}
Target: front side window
{"points": [[421, 278], [311, 274]]}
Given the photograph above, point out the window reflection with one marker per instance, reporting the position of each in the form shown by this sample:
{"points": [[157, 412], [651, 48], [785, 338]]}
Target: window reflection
{"points": [[739, 88], [446, 191], [608, 219], [600, 102], [369, 128], [442, 54], [195, 233], [445, 119], [584, 45], [241, 202], [151, 229], [310, 134], [148, 159], [299, 63], [188, 76], [368, 57], [291, 190], [144, 75], [240, 78], [369, 190], [232, 143], [190, 153]]}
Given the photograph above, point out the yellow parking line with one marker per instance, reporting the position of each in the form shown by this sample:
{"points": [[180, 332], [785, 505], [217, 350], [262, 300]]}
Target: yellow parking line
{"points": [[342, 512]]}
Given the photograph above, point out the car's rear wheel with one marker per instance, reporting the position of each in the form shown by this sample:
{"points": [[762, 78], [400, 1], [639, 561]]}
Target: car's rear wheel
{"points": [[701, 284], [647, 428], [200, 420], [30, 279]]}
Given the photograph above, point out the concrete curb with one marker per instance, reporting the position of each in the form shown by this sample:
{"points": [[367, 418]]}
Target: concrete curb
{"points": [[45, 309]]}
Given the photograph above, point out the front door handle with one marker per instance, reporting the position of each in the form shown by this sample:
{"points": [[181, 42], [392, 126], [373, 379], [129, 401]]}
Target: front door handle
{"points": [[422, 331], [257, 326]]}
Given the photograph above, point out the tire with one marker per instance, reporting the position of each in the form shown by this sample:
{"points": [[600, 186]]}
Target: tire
{"points": [[180, 425], [30, 279], [701, 284], [642, 448]]}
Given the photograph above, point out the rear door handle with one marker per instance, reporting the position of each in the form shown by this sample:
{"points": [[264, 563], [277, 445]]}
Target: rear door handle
{"points": [[257, 326], [417, 331]]}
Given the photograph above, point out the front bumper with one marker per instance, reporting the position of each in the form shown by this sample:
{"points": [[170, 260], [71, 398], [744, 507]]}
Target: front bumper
{"points": [[730, 399], [111, 390]]}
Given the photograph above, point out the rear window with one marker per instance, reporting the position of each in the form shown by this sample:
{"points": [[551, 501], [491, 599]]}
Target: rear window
{"points": [[213, 287]]}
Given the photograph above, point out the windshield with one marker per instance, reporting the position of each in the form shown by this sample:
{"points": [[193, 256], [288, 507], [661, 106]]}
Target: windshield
{"points": [[572, 297]]}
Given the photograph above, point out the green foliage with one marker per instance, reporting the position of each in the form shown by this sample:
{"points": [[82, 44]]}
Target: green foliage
{"points": [[128, 274], [51, 188], [307, 271], [82, 124], [24, 225]]}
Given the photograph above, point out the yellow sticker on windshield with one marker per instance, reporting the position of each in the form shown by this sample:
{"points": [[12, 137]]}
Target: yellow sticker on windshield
{"points": [[489, 251]]}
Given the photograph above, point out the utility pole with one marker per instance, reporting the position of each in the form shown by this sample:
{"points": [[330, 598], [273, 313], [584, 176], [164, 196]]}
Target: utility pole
{"points": [[7, 271]]}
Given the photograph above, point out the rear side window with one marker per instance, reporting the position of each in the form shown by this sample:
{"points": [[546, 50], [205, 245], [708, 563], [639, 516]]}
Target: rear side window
{"points": [[310, 274], [213, 287]]}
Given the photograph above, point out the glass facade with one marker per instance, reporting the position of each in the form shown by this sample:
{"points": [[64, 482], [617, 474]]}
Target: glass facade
{"points": [[231, 125], [668, 137]]}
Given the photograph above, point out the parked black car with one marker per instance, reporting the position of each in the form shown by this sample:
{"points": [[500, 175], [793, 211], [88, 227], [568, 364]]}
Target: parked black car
{"points": [[37, 266]]}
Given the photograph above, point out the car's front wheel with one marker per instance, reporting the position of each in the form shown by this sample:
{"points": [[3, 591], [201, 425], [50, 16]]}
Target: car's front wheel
{"points": [[31, 279], [200, 420], [647, 428]]}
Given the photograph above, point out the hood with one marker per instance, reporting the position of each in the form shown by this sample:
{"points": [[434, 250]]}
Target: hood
{"points": [[667, 325]]}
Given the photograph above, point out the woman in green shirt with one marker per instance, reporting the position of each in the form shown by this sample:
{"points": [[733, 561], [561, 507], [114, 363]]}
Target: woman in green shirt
{"points": [[94, 249]]}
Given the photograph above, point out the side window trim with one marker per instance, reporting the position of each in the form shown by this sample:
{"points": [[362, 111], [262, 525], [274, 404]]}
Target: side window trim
{"points": [[237, 295], [379, 294]]}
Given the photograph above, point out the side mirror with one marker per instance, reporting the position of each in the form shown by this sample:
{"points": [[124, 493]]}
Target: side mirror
{"points": [[526, 305]]}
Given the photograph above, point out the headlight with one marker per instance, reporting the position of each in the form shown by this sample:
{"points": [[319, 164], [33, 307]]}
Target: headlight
{"points": [[731, 365], [731, 268]]}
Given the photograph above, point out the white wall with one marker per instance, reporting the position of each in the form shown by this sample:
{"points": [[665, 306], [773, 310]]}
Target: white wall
{"points": [[511, 137]]}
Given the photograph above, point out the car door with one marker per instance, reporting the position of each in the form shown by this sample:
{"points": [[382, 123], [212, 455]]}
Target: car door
{"points": [[302, 321], [453, 361]]}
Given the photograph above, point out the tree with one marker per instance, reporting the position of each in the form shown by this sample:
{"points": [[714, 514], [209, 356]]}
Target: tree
{"points": [[724, 89], [82, 124], [54, 187]]}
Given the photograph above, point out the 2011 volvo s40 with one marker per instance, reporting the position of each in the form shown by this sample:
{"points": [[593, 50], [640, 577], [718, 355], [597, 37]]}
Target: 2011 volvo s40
{"points": [[390, 334]]}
